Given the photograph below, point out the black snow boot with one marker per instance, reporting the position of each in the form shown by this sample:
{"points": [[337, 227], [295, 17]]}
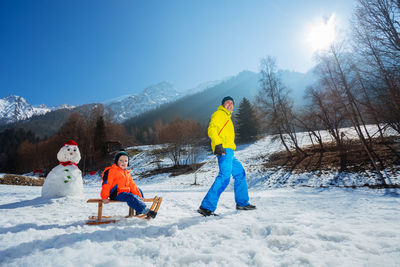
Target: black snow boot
{"points": [[206, 212], [248, 207], [151, 214]]}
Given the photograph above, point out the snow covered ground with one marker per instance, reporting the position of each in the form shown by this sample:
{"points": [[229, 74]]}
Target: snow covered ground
{"points": [[291, 227], [298, 226]]}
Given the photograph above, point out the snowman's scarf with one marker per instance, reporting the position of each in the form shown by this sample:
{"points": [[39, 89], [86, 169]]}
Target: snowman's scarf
{"points": [[66, 163]]}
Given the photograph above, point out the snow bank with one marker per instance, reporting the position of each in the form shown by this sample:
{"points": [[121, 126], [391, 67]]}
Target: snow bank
{"points": [[300, 227], [291, 226]]}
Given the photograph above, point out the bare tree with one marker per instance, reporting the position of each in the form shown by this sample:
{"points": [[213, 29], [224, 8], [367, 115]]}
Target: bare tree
{"points": [[306, 121], [377, 44], [181, 136], [327, 110], [337, 77], [276, 107]]}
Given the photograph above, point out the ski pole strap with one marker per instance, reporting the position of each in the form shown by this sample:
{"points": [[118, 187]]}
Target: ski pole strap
{"points": [[223, 127]]}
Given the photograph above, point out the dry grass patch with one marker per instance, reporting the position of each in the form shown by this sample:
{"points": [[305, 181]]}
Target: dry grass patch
{"points": [[13, 179], [173, 171], [328, 159]]}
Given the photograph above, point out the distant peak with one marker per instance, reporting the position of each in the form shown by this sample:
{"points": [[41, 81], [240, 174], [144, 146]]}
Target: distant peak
{"points": [[151, 97], [160, 89], [164, 83], [246, 72], [64, 106], [14, 108], [14, 97], [41, 106]]}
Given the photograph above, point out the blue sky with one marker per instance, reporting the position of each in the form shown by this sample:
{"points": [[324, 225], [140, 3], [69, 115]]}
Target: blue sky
{"points": [[74, 52]]}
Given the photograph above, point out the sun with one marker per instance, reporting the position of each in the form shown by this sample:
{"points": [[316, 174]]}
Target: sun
{"points": [[322, 33]]}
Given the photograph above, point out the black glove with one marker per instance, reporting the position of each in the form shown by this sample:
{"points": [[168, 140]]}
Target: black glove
{"points": [[219, 150]]}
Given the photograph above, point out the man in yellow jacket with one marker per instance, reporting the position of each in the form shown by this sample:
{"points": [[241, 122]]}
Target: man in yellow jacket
{"points": [[222, 135]]}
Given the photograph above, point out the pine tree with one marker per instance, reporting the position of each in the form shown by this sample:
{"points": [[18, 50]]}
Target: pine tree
{"points": [[246, 122], [100, 137]]}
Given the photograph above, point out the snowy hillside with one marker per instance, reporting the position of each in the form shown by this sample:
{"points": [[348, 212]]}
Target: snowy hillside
{"points": [[126, 107], [15, 108], [252, 157], [292, 226]]}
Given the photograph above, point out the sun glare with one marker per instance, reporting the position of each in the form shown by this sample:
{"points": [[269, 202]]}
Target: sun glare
{"points": [[322, 33]]}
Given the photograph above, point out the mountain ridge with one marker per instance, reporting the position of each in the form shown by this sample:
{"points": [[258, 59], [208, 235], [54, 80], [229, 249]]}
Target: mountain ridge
{"points": [[164, 101]]}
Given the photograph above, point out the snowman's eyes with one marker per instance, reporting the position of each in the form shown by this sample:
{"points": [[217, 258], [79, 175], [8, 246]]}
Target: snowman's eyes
{"points": [[74, 149], [69, 149]]}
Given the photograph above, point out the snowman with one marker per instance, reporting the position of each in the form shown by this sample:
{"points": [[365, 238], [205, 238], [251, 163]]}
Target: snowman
{"points": [[65, 179]]}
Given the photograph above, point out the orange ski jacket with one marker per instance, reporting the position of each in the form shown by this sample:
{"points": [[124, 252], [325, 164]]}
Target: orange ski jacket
{"points": [[117, 180]]}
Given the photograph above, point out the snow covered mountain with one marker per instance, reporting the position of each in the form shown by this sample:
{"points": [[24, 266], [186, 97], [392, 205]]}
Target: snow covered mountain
{"points": [[126, 107], [245, 84], [15, 108]]}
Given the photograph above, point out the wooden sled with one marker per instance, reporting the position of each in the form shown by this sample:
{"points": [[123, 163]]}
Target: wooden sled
{"points": [[100, 219]]}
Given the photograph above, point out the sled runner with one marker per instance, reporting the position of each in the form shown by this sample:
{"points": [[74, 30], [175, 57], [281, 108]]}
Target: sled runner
{"points": [[100, 219]]}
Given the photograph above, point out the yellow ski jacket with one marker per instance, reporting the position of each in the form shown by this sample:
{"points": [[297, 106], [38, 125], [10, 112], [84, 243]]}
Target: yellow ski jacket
{"points": [[221, 130]]}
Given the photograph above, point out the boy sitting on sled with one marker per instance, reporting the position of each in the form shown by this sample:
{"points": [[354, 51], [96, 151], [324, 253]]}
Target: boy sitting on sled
{"points": [[119, 185]]}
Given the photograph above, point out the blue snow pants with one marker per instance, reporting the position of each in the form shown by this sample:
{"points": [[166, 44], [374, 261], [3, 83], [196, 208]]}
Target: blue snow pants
{"points": [[228, 166], [134, 201]]}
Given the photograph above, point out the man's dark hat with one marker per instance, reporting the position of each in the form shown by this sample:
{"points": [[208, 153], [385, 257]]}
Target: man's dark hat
{"points": [[226, 98]]}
